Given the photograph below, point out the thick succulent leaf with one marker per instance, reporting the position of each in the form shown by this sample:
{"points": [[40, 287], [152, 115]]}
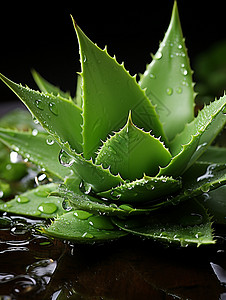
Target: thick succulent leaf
{"points": [[36, 203], [208, 136], [131, 152], [143, 190], [39, 148], [57, 115], [215, 203], [98, 178], [79, 92], [82, 227], [187, 142], [109, 93], [48, 87], [201, 178], [187, 223], [214, 155], [168, 80], [71, 192]]}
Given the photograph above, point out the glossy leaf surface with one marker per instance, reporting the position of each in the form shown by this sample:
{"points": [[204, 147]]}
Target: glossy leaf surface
{"points": [[26, 144], [57, 115], [36, 203], [111, 92], [131, 152], [186, 143], [168, 80], [187, 223], [81, 227], [143, 190]]}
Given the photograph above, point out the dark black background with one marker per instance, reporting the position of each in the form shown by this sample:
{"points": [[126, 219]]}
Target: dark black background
{"points": [[34, 35]]}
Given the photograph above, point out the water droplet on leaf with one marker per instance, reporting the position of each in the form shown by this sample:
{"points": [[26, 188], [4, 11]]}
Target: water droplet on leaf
{"points": [[82, 214], [22, 199], [53, 108], [169, 91], [87, 235], [158, 55], [50, 141], [115, 195], [152, 76], [179, 90], [39, 104], [47, 208], [65, 159], [101, 222]]}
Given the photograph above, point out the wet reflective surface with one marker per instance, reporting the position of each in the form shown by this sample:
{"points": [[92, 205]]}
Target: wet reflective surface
{"points": [[33, 266]]}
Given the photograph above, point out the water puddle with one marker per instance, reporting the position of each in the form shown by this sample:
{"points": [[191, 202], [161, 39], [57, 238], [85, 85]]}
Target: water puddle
{"points": [[34, 266]]}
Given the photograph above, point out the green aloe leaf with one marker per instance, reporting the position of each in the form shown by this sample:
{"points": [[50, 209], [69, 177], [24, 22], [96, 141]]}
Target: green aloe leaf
{"points": [[26, 144], [36, 203], [187, 223], [48, 87], [215, 203], [111, 92], [71, 192], [168, 80], [187, 142], [80, 226], [131, 152], [208, 176], [98, 178], [214, 154], [143, 190], [57, 115]]}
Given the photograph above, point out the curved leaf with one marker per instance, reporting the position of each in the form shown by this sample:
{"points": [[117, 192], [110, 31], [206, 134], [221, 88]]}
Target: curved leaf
{"points": [[26, 144], [214, 155], [110, 92], [187, 223], [71, 192], [143, 190], [186, 143], [168, 80], [131, 152], [208, 176], [57, 115], [36, 203], [82, 227]]}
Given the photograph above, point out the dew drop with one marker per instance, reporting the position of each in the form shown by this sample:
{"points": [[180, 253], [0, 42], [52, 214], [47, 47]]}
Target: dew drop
{"points": [[169, 91], [47, 208], [126, 207], [82, 214], [50, 141], [22, 199], [179, 46], [184, 71], [53, 108], [65, 159], [152, 76], [84, 58], [115, 195], [101, 222], [39, 104], [66, 205], [205, 188], [34, 132], [179, 90], [158, 55], [42, 193], [87, 235]]}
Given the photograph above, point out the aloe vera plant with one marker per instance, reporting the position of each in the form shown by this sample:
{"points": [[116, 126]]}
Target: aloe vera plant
{"points": [[126, 156]]}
